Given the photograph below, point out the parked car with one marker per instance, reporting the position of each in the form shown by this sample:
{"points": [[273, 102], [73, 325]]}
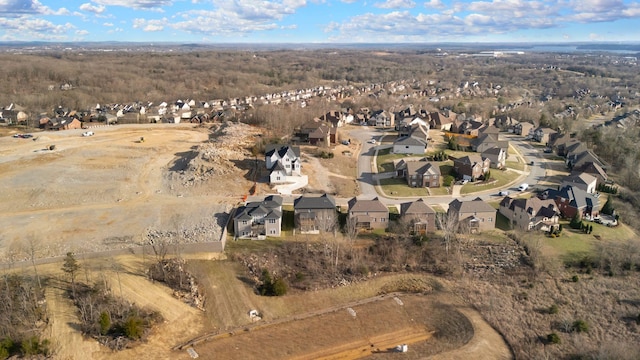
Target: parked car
{"points": [[372, 141], [547, 150], [523, 187], [504, 193], [87, 133]]}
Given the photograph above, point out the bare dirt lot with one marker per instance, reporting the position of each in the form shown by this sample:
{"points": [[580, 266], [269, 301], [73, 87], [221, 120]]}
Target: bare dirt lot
{"points": [[109, 190]]}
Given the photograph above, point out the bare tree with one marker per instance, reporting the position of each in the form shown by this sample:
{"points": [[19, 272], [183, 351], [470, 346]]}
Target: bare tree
{"points": [[449, 224], [31, 249], [351, 228]]}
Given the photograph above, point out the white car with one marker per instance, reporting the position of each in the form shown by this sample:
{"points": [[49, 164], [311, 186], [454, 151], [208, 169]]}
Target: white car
{"points": [[87, 133], [503, 193], [372, 141], [523, 187]]}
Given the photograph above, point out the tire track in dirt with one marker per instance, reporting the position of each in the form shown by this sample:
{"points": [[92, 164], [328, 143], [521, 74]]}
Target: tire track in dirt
{"points": [[68, 342]]}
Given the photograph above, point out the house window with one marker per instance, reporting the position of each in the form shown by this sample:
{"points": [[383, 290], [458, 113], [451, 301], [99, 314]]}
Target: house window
{"points": [[244, 222], [490, 219], [382, 219], [287, 166], [272, 221], [277, 178], [406, 146]]}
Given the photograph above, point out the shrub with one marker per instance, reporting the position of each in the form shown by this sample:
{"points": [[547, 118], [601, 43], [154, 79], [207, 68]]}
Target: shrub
{"points": [[279, 287], [575, 278], [576, 222], [33, 346], [553, 309], [133, 328], [105, 322], [448, 180], [553, 338], [580, 326]]}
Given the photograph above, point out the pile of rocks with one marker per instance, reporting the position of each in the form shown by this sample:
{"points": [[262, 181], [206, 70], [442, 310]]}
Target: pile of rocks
{"points": [[229, 144], [484, 259]]}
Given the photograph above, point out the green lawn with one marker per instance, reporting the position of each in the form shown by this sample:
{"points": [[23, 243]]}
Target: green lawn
{"points": [[503, 178], [516, 164], [399, 187], [385, 160]]}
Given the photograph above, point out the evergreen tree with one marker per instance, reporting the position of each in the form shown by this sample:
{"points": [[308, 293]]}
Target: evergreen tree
{"points": [[608, 206]]}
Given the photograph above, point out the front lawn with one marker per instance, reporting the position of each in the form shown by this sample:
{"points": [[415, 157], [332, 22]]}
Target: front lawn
{"points": [[385, 160], [399, 187], [502, 179]]}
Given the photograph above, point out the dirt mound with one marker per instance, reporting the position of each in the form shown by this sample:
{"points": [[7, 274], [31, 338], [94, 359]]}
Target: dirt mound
{"points": [[228, 147]]}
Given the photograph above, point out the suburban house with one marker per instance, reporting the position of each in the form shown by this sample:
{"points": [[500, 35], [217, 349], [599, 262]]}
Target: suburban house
{"points": [[471, 167], [315, 214], [595, 170], [422, 174], [468, 127], [63, 123], [523, 128], [316, 132], [584, 181], [578, 161], [543, 134], [413, 142], [473, 215], [335, 118], [282, 161], [420, 217], [497, 156], [382, 118], [487, 141], [440, 121], [572, 200], [530, 214], [368, 214], [259, 219]]}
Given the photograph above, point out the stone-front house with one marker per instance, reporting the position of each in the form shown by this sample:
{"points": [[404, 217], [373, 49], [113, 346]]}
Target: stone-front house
{"points": [[315, 214], [422, 174], [572, 200], [530, 214], [420, 217], [584, 181], [471, 167], [259, 218], [282, 161], [368, 214], [472, 216], [497, 156]]}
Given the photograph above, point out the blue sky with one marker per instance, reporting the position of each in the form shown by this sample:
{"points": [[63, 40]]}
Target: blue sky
{"points": [[319, 21]]}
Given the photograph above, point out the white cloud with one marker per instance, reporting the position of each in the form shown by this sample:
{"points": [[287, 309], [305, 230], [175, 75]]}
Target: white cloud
{"points": [[82, 32], [395, 4], [107, 24], [27, 7], [239, 17], [137, 4], [92, 8], [434, 4], [20, 28], [150, 25]]}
